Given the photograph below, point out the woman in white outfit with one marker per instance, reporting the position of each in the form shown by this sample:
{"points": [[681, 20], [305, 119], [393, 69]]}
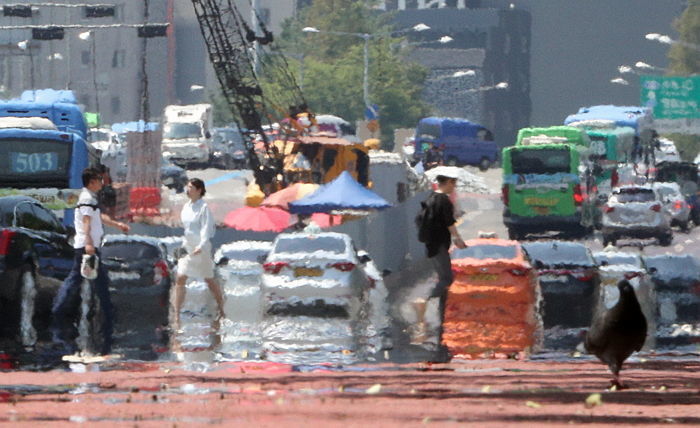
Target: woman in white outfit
{"points": [[199, 229]]}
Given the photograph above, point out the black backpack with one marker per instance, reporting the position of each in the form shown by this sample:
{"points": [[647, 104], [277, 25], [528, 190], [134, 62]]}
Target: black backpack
{"points": [[424, 221]]}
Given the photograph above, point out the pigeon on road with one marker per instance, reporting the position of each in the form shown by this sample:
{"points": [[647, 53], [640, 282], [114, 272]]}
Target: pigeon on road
{"points": [[617, 332]]}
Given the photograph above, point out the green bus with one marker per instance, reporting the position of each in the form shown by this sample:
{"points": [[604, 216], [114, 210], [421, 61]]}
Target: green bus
{"points": [[547, 187], [568, 134]]}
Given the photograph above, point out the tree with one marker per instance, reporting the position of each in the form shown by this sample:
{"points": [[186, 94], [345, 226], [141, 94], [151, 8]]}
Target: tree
{"points": [[334, 65], [685, 56], [685, 60]]}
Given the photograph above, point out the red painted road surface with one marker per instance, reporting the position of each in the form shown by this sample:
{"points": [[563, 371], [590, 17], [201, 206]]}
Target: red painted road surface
{"points": [[473, 393]]}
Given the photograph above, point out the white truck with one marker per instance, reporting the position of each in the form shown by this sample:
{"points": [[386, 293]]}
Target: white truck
{"points": [[187, 134]]}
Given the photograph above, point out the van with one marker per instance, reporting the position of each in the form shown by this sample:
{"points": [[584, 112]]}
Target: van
{"points": [[462, 142]]}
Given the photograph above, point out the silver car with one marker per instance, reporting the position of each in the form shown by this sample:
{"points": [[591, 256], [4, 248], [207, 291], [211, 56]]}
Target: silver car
{"points": [[635, 211], [240, 269], [615, 266], [674, 204]]}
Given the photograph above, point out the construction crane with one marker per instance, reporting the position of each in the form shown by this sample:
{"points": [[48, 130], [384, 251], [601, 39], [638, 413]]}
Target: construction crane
{"points": [[231, 44]]}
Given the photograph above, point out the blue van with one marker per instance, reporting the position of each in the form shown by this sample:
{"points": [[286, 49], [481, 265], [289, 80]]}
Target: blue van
{"points": [[462, 142]]}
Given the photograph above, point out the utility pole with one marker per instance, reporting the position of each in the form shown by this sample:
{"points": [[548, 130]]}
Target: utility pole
{"points": [[254, 6]]}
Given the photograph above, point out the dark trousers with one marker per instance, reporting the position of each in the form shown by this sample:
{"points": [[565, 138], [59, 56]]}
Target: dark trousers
{"points": [[443, 266], [66, 305]]}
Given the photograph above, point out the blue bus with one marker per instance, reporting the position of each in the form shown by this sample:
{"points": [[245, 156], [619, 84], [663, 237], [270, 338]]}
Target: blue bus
{"points": [[46, 163], [462, 142], [57, 106]]}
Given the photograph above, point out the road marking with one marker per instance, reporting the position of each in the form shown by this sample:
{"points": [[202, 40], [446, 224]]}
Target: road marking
{"points": [[225, 177]]}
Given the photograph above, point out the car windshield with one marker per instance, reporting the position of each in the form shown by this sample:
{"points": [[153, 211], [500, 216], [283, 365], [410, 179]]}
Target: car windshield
{"points": [[634, 194], [129, 251], [310, 244], [486, 252], [618, 259], [559, 254], [540, 161], [674, 266], [181, 130], [249, 255]]}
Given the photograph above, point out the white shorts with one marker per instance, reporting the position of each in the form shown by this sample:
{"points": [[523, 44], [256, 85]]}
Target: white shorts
{"points": [[197, 265]]}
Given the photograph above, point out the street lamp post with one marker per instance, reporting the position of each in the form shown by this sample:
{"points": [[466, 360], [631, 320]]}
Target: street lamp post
{"points": [[25, 46], [366, 37], [90, 36], [667, 40]]}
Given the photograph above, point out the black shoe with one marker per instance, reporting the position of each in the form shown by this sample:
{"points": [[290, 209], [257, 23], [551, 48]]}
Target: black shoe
{"points": [[442, 355]]}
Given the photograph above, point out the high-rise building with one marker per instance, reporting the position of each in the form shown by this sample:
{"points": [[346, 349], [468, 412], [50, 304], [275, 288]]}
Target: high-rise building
{"points": [[104, 68], [489, 51]]}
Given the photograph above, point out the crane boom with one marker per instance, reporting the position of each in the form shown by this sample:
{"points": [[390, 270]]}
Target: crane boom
{"points": [[229, 42]]}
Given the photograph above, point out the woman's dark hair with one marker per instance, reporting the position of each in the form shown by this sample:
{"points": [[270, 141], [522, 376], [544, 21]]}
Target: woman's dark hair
{"points": [[90, 174], [199, 184]]}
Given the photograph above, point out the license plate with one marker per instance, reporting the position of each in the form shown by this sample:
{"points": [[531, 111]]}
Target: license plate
{"points": [[541, 210], [544, 202], [484, 277], [302, 271], [114, 276]]}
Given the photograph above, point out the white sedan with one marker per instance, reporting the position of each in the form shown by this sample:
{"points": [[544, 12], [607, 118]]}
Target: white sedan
{"points": [[322, 299]]}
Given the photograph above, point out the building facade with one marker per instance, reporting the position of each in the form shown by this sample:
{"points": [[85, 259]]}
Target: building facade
{"points": [[489, 51], [104, 69]]}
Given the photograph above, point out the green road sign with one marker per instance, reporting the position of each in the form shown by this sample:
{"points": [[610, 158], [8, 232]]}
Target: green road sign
{"points": [[672, 97]]}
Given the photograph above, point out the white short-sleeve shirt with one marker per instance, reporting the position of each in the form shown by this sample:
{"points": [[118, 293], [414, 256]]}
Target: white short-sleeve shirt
{"points": [[87, 206]]}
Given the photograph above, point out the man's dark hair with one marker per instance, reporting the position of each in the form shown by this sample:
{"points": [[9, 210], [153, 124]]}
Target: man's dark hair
{"points": [[199, 184], [441, 179], [90, 174]]}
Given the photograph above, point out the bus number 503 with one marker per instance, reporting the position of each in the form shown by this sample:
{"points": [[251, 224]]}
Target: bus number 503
{"points": [[33, 162]]}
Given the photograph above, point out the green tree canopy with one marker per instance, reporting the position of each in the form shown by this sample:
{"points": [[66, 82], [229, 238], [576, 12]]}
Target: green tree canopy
{"points": [[333, 65], [685, 56], [685, 60]]}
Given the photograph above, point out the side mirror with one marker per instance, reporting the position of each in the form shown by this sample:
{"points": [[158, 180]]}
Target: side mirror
{"points": [[653, 270], [539, 265], [207, 134], [262, 258]]}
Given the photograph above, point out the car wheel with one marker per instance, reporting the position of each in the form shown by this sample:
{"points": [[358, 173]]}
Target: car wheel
{"points": [[27, 299], [685, 226], [452, 161], [666, 240], [609, 239], [484, 164]]}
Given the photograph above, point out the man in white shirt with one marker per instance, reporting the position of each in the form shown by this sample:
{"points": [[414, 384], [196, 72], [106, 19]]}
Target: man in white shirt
{"points": [[87, 240]]}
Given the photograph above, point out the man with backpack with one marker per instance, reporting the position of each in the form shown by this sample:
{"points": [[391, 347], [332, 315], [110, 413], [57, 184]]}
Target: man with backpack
{"points": [[437, 230]]}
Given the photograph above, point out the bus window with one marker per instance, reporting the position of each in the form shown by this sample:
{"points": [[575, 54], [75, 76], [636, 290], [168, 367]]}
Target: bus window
{"points": [[26, 163], [541, 161]]}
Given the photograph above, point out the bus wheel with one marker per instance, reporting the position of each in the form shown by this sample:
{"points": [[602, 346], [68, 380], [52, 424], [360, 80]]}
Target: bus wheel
{"points": [[484, 164], [452, 161], [514, 235]]}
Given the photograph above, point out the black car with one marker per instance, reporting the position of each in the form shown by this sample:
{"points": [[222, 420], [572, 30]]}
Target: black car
{"points": [[140, 279], [677, 282], [229, 151], [171, 175], [568, 280], [36, 255]]}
